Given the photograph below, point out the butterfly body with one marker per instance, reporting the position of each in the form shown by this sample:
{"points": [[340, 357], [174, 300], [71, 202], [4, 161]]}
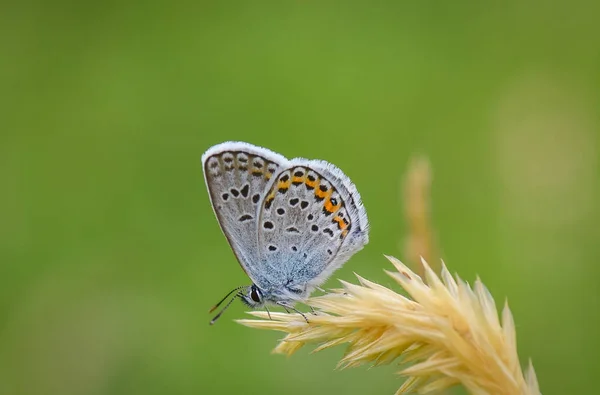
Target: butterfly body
{"points": [[290, 223]]}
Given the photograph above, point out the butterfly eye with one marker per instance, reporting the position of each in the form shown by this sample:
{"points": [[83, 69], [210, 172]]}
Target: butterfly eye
{"points": [[254, 295]]}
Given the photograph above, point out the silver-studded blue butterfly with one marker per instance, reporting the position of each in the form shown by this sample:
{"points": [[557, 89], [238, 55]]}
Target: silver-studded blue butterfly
{"points": [[290, 223]]}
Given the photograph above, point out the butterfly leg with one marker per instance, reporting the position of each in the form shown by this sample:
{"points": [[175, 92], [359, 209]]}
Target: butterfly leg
{"points": [[268, 312], [288, 308]]}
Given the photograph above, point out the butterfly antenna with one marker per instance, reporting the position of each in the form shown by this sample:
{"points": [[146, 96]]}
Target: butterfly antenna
{"points": [[226, 296], [237, 295]]}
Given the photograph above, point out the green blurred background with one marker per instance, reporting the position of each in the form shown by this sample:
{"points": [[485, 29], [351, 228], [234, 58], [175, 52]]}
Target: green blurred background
{"points": [[110, 254]]}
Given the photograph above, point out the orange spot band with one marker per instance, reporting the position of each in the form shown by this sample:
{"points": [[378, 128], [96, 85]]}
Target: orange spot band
{"points": [[311, 184], [283, 184], [322, 195], [330, 207], [340, 222]]}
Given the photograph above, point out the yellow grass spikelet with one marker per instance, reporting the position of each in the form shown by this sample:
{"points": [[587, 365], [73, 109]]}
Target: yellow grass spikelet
{"points": [[445, 333]]}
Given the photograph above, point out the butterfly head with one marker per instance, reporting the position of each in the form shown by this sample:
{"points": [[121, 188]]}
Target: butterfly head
{"points": [[252, 297]]}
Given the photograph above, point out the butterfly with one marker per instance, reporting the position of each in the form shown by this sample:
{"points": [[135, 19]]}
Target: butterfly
{"points": [[290, 223]]}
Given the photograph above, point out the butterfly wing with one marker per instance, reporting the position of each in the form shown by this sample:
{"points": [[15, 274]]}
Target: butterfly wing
{"points": [[311, 221], [237, 175]]}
